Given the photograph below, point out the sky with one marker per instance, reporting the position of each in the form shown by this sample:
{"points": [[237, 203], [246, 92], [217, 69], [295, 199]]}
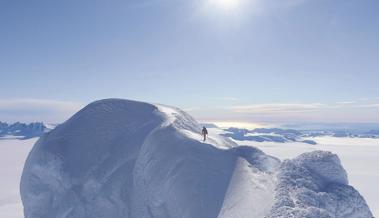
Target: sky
{"points": [[224, 61]]}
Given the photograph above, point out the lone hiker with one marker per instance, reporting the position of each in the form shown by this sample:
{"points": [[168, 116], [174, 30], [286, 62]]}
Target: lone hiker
{"points": [[204, 132]]}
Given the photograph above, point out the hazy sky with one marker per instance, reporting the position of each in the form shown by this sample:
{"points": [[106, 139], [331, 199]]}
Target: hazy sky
{"points": [[262, 61]]}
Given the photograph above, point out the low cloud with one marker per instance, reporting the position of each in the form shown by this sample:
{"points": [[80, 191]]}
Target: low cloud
{"points": [[346, 102], [277, 108], [227, 99], [29, 110], [368, 105], [353, 111], [301, 107]]}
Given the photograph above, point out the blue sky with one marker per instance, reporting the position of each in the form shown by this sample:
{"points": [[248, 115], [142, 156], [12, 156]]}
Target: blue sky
{"points": [[260, 61]]}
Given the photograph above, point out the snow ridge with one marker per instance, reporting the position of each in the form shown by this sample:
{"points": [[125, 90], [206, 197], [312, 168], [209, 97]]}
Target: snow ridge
{"points": [[125, 159]]}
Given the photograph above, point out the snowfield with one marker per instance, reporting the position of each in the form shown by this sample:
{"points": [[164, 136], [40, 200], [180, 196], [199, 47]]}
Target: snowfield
{"points": [[118, 158], [13, 153]]}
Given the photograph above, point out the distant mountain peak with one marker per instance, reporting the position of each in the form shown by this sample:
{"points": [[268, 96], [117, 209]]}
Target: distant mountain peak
{"points": [[23, 130]]}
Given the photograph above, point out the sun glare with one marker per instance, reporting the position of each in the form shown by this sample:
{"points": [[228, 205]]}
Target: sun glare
{"points": [[226, 5]]}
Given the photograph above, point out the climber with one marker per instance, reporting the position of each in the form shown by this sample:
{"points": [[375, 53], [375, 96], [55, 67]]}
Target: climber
{"points": [[204, 133]]}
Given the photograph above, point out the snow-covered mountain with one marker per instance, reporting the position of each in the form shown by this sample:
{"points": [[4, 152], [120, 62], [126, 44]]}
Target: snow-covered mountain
{"points": [[23, 130], [290, 135], [266, 135], [125, 159]]}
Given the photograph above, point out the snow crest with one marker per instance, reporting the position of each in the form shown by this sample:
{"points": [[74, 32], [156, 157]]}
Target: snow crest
{"points": [[125, 159]]}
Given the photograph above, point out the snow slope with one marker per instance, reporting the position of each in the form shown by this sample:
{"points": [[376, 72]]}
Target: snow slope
{"points": [[126, 159]]}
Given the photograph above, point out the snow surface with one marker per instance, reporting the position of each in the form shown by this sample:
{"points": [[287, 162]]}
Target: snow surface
{"points": [[12, 158], [359, 156], [126, 159]]}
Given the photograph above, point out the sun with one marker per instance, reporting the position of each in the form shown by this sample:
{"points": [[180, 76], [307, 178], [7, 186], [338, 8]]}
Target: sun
{"points": [[226, 5]]}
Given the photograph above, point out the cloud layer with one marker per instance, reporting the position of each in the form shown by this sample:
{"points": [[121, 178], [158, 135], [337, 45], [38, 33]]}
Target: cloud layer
{"points": [[361, 110], [29, 110], [277, 108], [356, 111]]}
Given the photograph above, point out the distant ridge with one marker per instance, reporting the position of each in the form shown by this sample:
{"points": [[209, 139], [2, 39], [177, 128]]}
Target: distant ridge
{"points": [[267, 135], [20, 130], [290, 135]]}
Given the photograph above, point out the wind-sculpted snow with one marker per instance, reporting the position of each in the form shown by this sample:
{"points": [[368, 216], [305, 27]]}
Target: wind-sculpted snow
{"points": [[315, 185], [124, 159]]}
